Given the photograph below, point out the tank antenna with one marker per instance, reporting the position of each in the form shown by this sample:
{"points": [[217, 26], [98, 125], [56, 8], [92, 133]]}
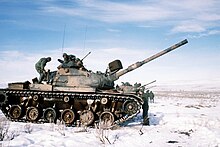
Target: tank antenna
{"points": [[85, 39], [64, 31]]}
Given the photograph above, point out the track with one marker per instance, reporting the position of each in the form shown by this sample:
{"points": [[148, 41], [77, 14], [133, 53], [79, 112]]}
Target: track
{"points": [[71, 107]]}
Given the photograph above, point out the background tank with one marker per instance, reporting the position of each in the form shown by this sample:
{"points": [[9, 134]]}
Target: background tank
{"points": [[75, 95]]}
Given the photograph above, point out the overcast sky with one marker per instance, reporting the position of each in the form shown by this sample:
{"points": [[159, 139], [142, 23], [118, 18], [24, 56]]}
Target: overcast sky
{"points": [[112, 29]]}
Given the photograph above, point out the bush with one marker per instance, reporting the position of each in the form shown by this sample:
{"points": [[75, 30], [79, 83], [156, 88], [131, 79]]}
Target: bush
{"points": [[28, 128], [4, 130], [4, 127]]}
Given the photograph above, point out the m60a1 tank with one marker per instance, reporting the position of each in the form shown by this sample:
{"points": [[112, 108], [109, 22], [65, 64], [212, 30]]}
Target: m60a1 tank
{"points": [[75, 95]]}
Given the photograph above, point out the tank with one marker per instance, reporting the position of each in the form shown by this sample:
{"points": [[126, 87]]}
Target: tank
{"points": [[76, 96]]}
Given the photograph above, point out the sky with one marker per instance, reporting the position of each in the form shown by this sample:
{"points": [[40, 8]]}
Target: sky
{"points": [[113, 29]]}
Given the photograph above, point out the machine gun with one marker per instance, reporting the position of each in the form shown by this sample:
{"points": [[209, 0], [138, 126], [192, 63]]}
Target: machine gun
{"points": [[85, 56]]}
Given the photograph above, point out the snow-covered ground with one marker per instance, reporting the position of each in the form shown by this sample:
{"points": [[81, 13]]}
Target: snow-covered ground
{"points": [[177, 118]]}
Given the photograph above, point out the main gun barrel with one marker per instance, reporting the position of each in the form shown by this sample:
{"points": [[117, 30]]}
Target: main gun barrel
{"points": [[138, 64]]}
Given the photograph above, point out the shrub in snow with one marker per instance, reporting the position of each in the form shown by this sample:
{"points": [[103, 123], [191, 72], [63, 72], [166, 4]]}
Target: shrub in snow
{"points": [[4, 127], [61, 128], [28, 128], [4, 130], [103, 134]]}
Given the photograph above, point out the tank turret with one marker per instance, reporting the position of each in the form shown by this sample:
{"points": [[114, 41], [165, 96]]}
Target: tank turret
{"points": [[74, 79], [126, 87]]}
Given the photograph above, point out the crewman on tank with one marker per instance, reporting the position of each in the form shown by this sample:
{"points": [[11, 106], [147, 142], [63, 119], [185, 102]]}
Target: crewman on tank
{"points": [[65, 60], [70, 61], [39, 66]]}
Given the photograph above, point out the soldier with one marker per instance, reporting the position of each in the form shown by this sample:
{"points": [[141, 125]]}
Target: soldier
{"points": [[39, 66], [69, 61], [137, 87], [72, 57], [151, 96], [145, 106], [65, 60]]}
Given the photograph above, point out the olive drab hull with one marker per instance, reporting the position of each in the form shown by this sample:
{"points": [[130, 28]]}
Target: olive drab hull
{"points": [[77, 96]]}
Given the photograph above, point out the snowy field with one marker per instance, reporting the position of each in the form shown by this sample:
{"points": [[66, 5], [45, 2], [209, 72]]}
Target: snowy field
{"points": [[177, 119]]}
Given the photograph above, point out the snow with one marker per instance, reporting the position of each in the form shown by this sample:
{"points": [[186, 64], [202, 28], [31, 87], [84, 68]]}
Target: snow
{"points": [[177, 118]]}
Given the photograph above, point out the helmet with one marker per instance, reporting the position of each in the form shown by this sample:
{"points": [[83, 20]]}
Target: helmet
{"points": [[48, 58], [64, 54], [72, 57]]}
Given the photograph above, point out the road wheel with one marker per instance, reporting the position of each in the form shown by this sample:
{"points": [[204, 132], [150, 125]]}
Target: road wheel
{"points": [[106, 119], [15, 112], [87, 117], [68, 116], [33, 114], [50, 115]]}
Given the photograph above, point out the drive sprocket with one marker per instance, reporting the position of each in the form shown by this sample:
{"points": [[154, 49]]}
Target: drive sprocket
{"points": [[3, 99]]}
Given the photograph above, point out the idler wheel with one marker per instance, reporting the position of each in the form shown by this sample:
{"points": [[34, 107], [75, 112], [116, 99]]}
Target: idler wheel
{"points": [[106, 119], [15, 112], [87, 117], [3, 99], [130, 107], [50, 115], [68, 116], [33, 113]]}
